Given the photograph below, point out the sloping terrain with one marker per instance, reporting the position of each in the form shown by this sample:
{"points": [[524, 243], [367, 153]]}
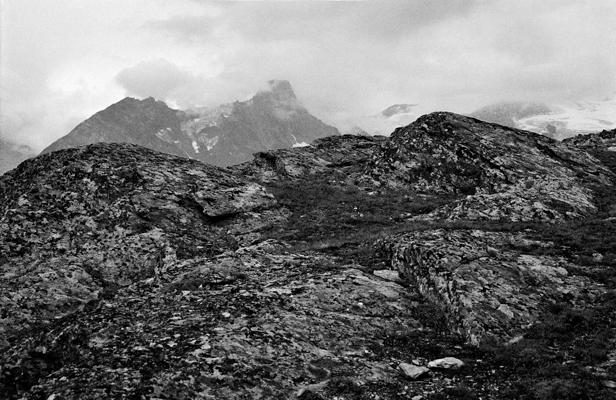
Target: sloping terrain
{"points": [[148, 123], [222, 136], [334, 271]]}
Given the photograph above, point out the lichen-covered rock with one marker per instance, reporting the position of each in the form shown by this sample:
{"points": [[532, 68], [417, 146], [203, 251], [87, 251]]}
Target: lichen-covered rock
{"points": [[340, 157], [491, 290], [604, 140], [507, 174], [257, 322], [77, 224]]}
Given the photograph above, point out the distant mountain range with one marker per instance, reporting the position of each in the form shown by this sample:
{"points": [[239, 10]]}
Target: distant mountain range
{"points": [[274, 118], [557, 121], [224, 135]]}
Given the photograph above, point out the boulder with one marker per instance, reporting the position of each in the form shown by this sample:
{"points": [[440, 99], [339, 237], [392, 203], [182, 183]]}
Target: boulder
{"points": [[413, 371], [450, 363]]}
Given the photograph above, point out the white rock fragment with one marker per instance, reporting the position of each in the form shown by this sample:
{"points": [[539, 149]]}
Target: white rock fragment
{"points": [[446, 363], [388, 274]]}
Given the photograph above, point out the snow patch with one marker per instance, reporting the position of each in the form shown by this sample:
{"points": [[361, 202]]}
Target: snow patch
{"points": [[164, 134], [211, 142], [297, 143], [571, 119]]}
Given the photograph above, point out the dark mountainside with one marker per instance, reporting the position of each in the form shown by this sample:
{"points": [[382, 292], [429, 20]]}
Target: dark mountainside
{"points": [[457, 259], [222, 136]]}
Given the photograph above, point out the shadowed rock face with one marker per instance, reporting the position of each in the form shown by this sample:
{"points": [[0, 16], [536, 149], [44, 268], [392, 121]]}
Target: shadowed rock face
{"points": [[339, 157], [126, 272], [226, 135], [148, 123]]}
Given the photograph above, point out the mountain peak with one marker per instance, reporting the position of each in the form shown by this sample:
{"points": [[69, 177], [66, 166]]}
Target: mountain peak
{"points": [[281, 89], [225, 135]]}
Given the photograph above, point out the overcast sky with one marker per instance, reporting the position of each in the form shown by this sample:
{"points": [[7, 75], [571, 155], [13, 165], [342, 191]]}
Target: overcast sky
{"points": [[63, 60]]}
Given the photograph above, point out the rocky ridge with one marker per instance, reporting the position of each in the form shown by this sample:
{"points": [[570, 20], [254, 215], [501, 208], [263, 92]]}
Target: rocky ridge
{"points": [[604, 140], [506, 174], [337, 270]]}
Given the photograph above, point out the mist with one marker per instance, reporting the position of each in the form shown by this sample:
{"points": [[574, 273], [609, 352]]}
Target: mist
{"points": [[62, 61]]}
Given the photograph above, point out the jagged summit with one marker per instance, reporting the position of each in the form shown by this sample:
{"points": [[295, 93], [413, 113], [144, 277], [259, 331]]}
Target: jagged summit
{"points": [[281, 89], [223, 135]]}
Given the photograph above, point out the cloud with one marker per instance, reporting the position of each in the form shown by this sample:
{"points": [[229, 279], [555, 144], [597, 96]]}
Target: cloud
{"points": [[63, 61], [158, 78]]}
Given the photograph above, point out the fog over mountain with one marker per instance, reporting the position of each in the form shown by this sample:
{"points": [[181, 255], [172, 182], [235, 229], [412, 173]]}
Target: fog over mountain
{"points": [[348, 61]]}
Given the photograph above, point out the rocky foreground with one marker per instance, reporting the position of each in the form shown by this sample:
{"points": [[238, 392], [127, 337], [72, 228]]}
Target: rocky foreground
{"points": [[456, 259]]}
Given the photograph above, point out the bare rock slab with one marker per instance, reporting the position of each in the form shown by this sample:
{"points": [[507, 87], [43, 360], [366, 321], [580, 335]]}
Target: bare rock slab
{"points": [[413, 371]]}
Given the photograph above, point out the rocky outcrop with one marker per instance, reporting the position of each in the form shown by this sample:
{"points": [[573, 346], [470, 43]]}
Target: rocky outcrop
{"points": [[223, 136], [604, 140], [491, 289], [79, 223], [258, 322], [339, 157], [506, 174]]}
